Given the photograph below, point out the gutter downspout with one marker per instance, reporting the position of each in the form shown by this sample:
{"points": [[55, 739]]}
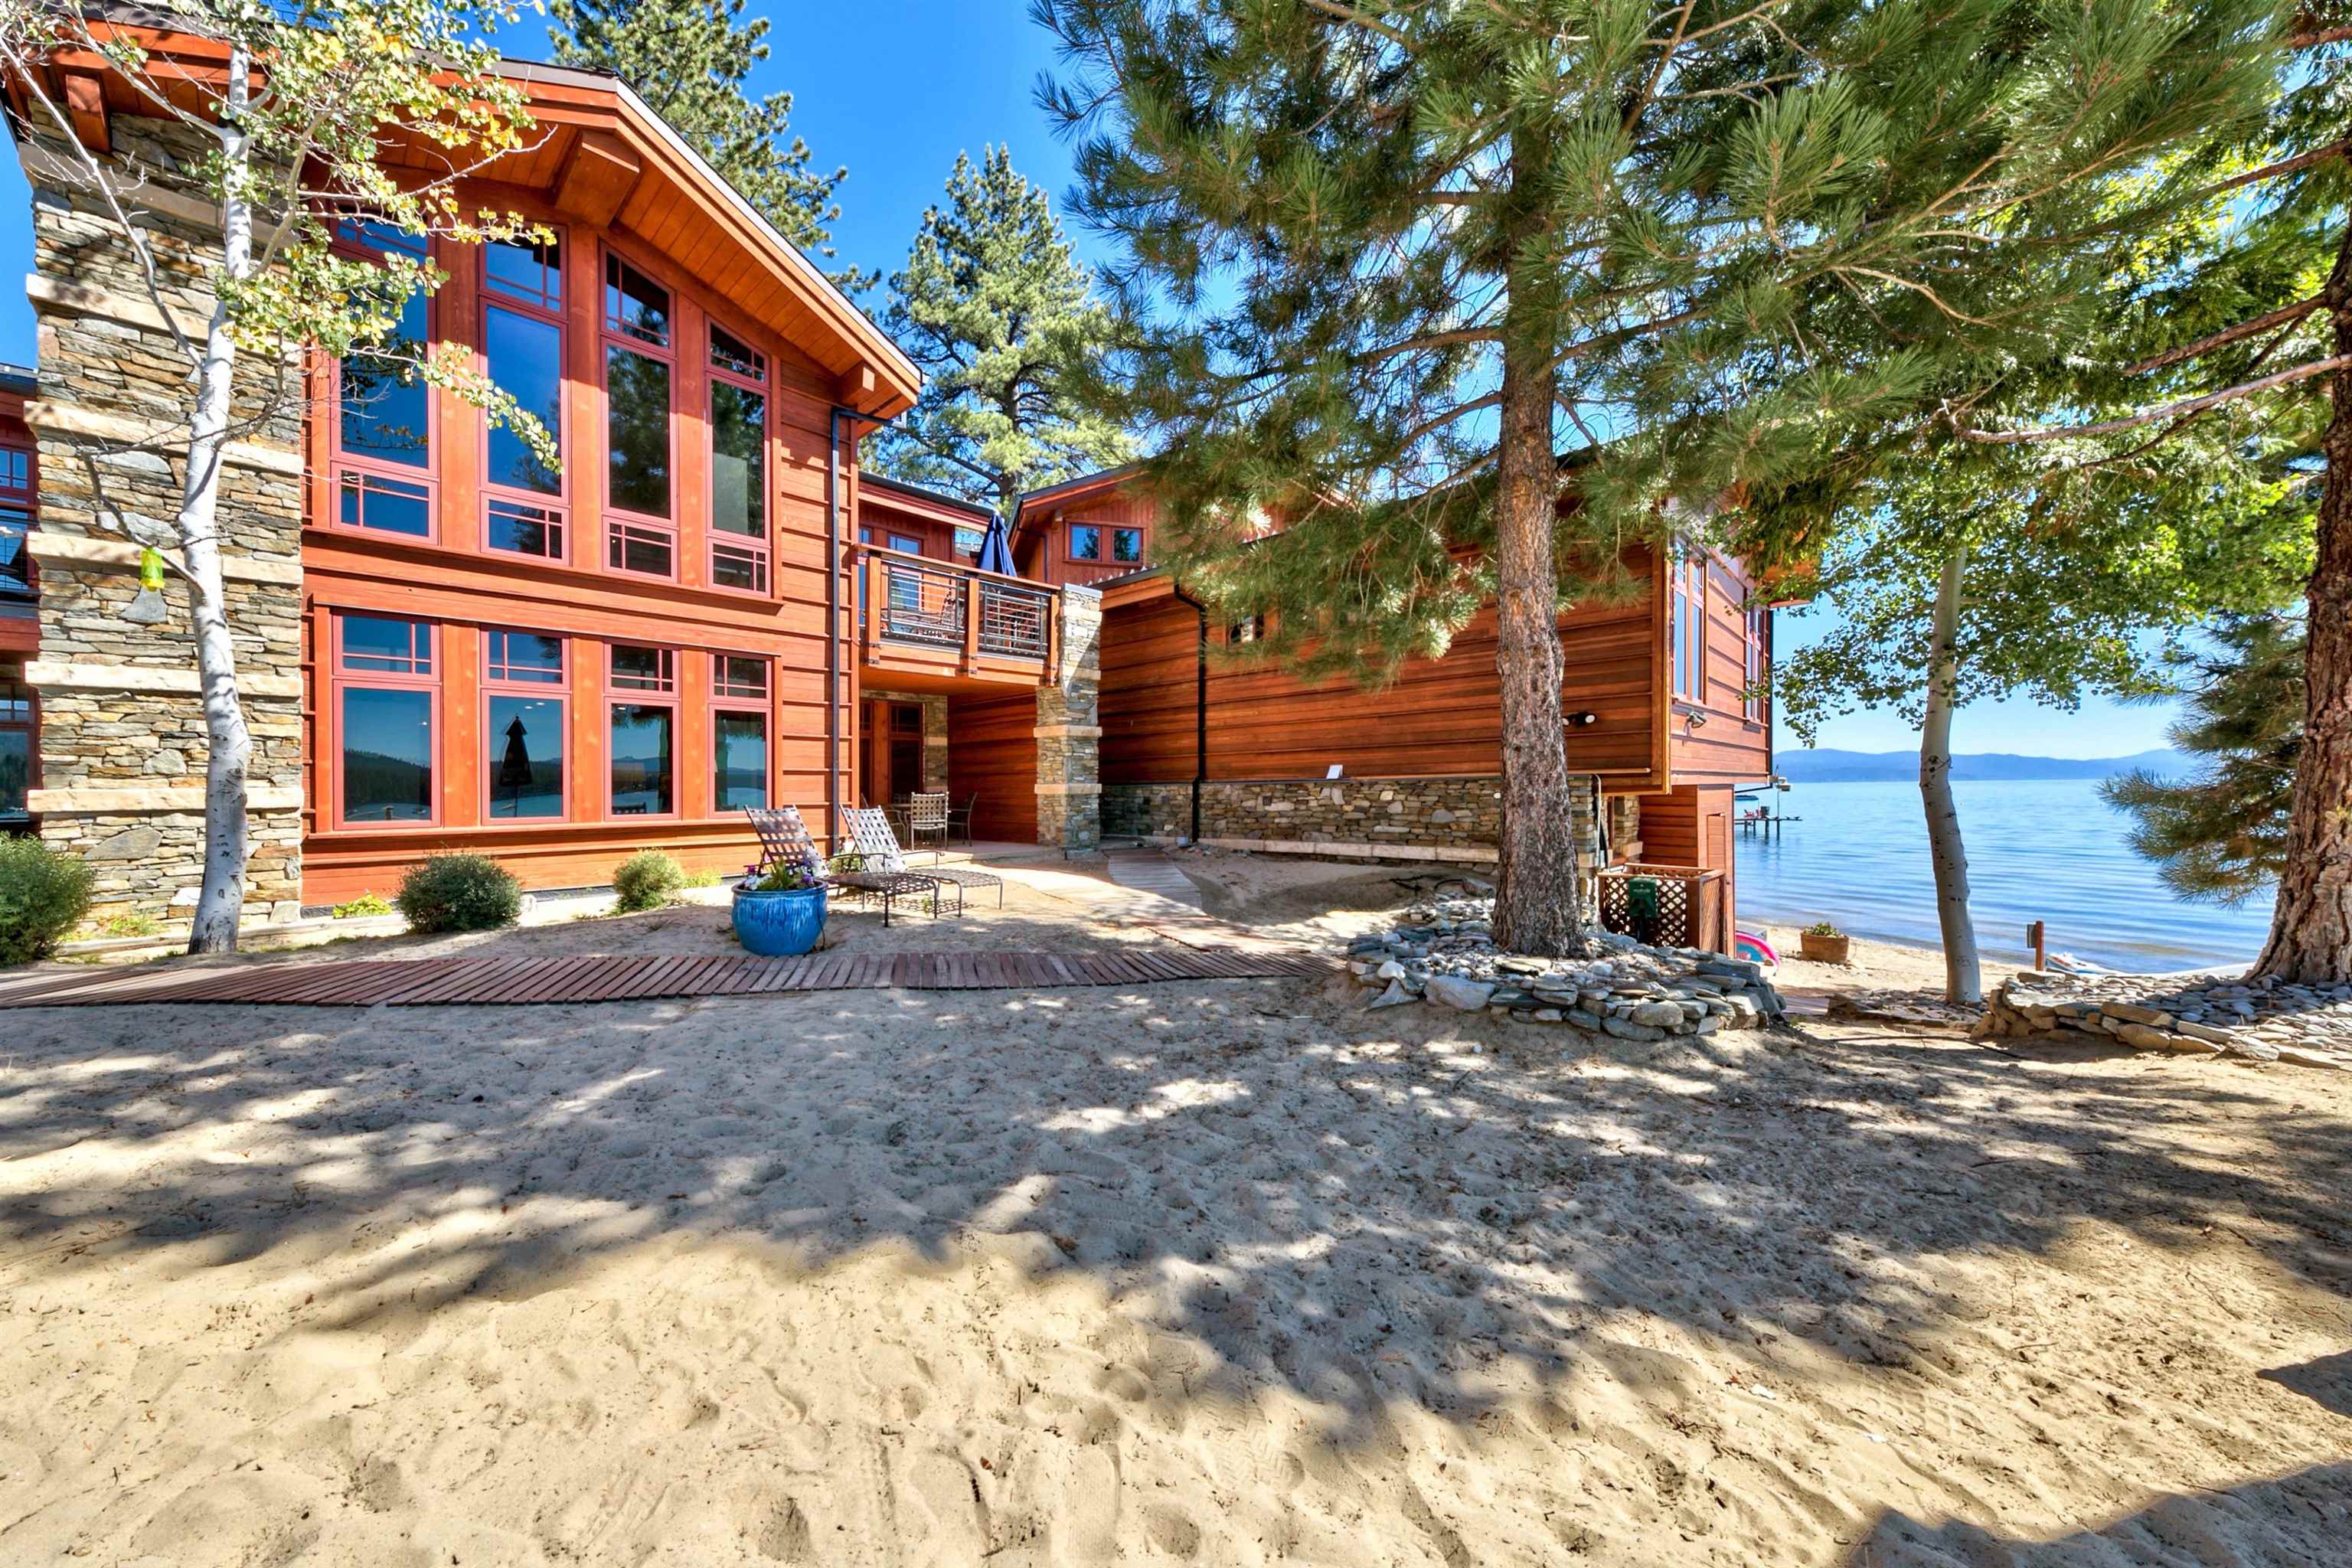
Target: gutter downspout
{"points": [[1200, 701], [832, 539]]}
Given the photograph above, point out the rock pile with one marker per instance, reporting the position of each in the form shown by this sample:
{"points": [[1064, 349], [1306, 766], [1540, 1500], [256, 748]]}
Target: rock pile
{"points": [[2201, 1015], [1445, 953]]}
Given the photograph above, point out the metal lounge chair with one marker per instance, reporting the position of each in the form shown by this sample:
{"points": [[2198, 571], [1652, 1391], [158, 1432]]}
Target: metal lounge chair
{"points": [[959, 818], [784, 840], [869, 830], [926, 819]]}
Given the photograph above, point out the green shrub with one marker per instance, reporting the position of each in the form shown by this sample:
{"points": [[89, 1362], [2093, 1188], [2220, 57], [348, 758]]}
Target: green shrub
{"points": [[459, 892], [364, 905], [130, 922], [646, 880], [42, 894]]}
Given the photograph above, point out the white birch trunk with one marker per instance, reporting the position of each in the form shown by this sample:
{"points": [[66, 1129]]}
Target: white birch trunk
{"points": [[230, 745], [1963, 982]]}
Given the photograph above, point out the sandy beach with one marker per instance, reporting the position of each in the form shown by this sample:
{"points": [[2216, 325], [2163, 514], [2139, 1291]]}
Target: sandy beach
{"points": [[1217, 1272]]}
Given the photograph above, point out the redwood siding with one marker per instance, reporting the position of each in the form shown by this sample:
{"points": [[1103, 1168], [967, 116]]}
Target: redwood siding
{"points": [[1044, 550], [1729, 747], [992, 753], [1441, 717], [1689, 826]]}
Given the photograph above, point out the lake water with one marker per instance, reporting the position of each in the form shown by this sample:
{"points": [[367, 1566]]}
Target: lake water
{"points": [[2049, 850]]}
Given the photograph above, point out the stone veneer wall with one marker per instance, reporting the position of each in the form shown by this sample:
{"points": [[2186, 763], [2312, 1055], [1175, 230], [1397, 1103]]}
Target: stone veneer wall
{"points": [[935, 732], [1069, 774], [122, 737], [1456, 817]]}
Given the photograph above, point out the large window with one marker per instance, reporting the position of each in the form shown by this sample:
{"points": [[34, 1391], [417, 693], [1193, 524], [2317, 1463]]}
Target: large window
{"points": [[1687, 579], [739, 731], [640, 529], [644, 682], [522, 342], [386, 697], [523, 702], [383, 410], [739, 464]]}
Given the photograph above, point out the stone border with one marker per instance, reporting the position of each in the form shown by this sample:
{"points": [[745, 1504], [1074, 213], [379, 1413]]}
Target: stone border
{"points": [[2119, 1008]]}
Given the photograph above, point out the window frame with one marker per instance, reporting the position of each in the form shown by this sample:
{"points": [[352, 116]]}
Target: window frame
{"points": [[1687, 624], [18, 499], [13, 692], [761, 549], [342, 678], [558, 506], [1759, 628], [426, 477], [1070, 544], [1142, 547], [764, 706], [670, 697], [557, 691], [608, 337]]}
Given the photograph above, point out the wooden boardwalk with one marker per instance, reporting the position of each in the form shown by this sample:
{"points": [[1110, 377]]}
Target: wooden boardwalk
{"points": [[474, 982]]}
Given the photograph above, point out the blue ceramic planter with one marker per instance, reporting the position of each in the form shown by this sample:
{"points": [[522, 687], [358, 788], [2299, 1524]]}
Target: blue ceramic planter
{"points": [[780, 924]]}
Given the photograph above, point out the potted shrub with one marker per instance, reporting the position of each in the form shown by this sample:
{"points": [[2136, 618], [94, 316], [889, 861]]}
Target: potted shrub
{"points": [[1823, 942], [781, 914]]}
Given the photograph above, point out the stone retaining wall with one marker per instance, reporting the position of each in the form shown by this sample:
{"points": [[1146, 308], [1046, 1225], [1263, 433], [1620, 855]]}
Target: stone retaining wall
{"points": [[2201, 1015], [122, 737], [1455, 817]]}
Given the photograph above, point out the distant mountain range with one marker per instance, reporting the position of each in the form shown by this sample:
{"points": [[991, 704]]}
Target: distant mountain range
{"points": [[1828, 766]]}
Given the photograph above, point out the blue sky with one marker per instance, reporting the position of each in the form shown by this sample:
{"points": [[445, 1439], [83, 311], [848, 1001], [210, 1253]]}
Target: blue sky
{"points": [[895, 88]]}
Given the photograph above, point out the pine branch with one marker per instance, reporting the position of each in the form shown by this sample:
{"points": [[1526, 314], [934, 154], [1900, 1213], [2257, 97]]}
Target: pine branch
{"points": [[2171, 411], [2227, 336]]}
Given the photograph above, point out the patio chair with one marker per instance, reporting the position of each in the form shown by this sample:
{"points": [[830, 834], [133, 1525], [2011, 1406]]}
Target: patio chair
{"points": [[784, 840], [870, 830], [926, 819], [959, 818]]}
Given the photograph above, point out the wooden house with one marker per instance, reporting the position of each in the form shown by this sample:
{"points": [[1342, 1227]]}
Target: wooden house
{"points": [[1663, 696], [445, 643]]}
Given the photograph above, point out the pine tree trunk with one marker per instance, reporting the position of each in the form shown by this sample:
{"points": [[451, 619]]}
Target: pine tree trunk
{"points": [[1539, 893], [221, 901], [2311, 927], [1963, 981]]}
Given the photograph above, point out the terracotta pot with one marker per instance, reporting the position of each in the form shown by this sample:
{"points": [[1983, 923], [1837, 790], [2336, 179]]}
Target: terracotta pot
{"points": [[1823, 949]]}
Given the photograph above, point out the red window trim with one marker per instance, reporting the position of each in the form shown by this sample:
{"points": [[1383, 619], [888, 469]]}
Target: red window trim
{"points": [[340, 678], [1070, 544], [557, 691], [559, 505], [761, 551], [339, 462], [1752, 697], [764, 706], [609, 337], [643, 696]]}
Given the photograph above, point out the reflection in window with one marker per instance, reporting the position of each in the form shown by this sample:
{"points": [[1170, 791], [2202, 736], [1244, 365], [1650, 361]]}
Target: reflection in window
{"points": [[384, 405], [16, 745], [1086, 542], [643, 668], [16, 559], [636, 394], [531, 658], [386, 644], [385, 505], [526, 530], [387, 741], [730, 353], [968, 540], [1126, 545], [635, 305], [634, 549], [525, 735], [738, 675], [529, 271], [738, 760], [739, 485], [641, 759], [525, 360]]}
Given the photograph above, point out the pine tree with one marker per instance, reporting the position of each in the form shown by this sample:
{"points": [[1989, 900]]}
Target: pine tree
{"points": [[1004, 321], [687, 60], [1390, 257], [2224, 834]]}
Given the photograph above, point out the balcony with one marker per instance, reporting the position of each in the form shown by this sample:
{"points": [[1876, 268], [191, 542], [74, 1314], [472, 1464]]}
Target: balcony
{"points": [[922, 616]]}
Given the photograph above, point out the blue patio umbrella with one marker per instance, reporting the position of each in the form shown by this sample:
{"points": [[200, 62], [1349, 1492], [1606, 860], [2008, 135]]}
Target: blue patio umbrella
{"points": [[996, 549]]}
